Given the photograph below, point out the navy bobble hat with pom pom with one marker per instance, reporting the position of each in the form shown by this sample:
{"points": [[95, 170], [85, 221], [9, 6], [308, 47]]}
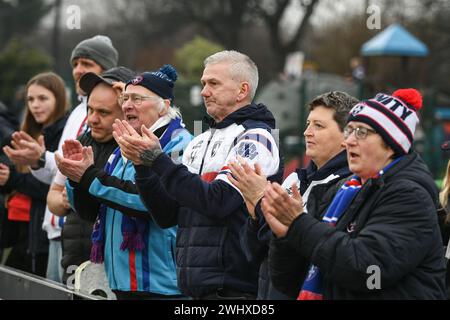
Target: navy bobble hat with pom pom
{"points": [[393, 117], [160, 82]]}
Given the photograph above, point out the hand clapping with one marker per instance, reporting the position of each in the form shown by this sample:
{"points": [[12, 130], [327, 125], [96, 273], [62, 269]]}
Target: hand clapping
{"points": [[75, 161], [279, 209], [251, 182], [131, 143], [4, 174], [25, 150]]}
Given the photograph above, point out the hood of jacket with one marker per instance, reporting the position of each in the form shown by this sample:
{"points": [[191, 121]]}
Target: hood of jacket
{"points": [[256, 112]]}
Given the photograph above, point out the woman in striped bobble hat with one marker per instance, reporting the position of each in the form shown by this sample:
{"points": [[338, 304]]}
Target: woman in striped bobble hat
{"points": [[379, 237]]}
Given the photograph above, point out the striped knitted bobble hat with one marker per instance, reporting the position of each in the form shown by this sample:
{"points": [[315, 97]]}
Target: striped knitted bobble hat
{"points": [[393, 117]]}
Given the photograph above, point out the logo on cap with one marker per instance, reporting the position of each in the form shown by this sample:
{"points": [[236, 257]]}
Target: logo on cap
{"points": [[357, 109], [137, 80]]}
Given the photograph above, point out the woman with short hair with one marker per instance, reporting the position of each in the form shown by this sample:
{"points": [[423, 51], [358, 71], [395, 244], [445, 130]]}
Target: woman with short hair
{"points": [[324, 140]]}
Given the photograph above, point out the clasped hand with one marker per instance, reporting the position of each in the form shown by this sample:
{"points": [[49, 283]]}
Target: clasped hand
{"points": [[25, 150], [75, 161], [280, 209], [131, 143], [251, 182]]}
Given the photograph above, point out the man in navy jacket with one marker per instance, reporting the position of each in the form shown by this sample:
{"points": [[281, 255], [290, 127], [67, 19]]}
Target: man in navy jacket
{"points": [[197, 194]]}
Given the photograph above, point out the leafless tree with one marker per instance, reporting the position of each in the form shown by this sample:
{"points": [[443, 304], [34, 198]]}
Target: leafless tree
{"points": [[272, 13], [224, 21]]}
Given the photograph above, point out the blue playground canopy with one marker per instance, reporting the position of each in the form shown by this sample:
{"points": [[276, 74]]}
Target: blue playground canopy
{"points": [[442, 113], [394, 41]]}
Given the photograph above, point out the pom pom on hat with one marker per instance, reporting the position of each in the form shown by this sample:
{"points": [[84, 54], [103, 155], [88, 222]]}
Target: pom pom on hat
{"points": [[410, 96], [170, 72]]}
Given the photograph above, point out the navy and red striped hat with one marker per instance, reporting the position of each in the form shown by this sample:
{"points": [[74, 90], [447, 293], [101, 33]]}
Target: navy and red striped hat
{"points": [[393, 117]]}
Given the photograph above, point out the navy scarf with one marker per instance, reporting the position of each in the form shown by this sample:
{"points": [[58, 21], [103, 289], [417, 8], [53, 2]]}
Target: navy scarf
{"points": [[134, 230]]}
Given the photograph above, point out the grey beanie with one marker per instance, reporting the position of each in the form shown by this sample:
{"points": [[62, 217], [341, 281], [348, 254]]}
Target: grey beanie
{"points": [[98, 48]]}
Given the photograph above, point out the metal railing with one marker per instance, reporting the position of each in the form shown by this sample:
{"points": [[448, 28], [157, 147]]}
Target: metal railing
{"points": [[19, 285]]}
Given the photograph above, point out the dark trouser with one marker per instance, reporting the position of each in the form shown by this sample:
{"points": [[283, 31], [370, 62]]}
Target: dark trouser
{"points": [[227, 294], [20, 258], [23, 261], [138, 295]]}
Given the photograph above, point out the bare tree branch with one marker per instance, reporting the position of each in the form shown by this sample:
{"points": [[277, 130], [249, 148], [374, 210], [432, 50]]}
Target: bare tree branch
{"points": [[296, 39], [273, 22], [224, 21]]}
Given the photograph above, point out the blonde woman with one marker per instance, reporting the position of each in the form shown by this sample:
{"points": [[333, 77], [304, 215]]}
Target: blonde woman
{"points": [[444, 217]]}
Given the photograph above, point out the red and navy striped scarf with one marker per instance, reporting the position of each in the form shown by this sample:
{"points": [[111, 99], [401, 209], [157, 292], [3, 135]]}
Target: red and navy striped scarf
{"points": [[312, 288]]}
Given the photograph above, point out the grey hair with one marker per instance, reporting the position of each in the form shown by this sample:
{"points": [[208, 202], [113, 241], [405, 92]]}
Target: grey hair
{"points": [[339, 101], [242, 68], [173, 112]]}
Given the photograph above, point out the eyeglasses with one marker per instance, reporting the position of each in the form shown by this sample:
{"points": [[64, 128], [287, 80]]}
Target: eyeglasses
{"points": [[360, 132], [136, 99]]}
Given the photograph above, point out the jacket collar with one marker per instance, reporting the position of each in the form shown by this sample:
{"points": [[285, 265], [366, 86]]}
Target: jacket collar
{"points": [[337, 166], [257, 112], [411, 167], [55, 127]]}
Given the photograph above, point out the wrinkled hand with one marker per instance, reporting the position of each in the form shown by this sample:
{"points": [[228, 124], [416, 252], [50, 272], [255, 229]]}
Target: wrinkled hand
{"points": [[25, 150], [251, 182], [131, 143], [4, 174], [279, 209], [75, 168]]}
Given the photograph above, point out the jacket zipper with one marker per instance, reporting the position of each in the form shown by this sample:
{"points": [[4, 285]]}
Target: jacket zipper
{"points": [[206, 150], [189, 239]]}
